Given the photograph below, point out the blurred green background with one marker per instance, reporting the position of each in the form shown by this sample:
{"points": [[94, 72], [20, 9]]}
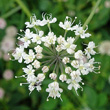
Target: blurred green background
{"points": [[96, 93]]}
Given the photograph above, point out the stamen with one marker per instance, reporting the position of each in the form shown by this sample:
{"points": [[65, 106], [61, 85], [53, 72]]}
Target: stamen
{"points": [[61, 99], [74, 20], [96, 72], [79, 23], [76, 92], [81, 88], [97, 62], [84, 44], [23, 83], [20, 35], [86, 28], [19, 76]]}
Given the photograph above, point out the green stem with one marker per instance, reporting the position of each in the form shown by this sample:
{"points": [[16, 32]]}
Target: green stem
{"points": [[61, 67], [53, 48], [52, 62], [65, 33], [89, 18], [11, 12], [55, 66], [49, 27], [24, 8], [47, 52], [91, 14]]}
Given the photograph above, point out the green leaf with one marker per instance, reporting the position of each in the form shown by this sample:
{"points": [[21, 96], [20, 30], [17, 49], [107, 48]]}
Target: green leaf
{"points": [[91, 96], [102, 99]]}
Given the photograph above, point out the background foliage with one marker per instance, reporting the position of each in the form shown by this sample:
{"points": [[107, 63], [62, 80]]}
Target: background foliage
{"points": [[96, 93]]}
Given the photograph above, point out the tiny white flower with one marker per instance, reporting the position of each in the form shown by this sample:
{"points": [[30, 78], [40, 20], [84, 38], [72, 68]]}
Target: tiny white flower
{"points": [[79, 54], [26, 39], [38, 49], [33, 85], [81, 32], [33, 22], [63, 77], [75, 75], [29, 57], [47, 19], [45, 69], [75, 63], [70, 47], [36, 64], [54, 90], [89, 50], [40, 77], [68, 70], [39, 56], [53, 76], [29, 70], [37, 37], [60, 40], [73, 83], [49, 39], [90, 65], [67, 24], [18, 54], [66, 60], [83, 68], [31, 78], [59, 48]]}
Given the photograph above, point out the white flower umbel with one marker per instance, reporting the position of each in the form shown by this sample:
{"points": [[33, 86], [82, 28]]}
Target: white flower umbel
{"points": [[54, 57]]}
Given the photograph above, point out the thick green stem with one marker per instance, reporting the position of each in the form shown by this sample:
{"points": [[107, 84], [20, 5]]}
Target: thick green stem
{"points": [[90, 17], [24, 8], [91, 14], [11, 12]]}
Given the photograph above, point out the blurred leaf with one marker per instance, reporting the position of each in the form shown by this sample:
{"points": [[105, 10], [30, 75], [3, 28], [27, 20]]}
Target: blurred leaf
{"points": [[102, 99], [23, 107], [91, 96], [49, 105]]}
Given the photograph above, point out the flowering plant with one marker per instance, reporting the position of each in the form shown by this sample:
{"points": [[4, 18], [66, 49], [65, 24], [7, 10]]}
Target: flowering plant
{"points": [[56, 57]]}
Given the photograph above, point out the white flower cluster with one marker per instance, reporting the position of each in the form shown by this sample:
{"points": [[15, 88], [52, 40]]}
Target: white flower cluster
{"points": [[55, 57]]}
